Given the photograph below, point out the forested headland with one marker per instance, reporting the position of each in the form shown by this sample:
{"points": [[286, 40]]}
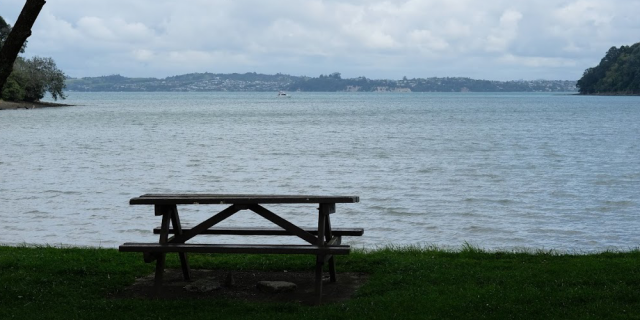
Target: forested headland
{"points": [[617, 74], [30, 78]]}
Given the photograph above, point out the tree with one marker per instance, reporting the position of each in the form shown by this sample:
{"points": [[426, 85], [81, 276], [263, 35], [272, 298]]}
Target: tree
{"points": [[16, 39], [13, 91], [5, 29], [617, 73], [587, 83], [37, 76], [28, 79]]}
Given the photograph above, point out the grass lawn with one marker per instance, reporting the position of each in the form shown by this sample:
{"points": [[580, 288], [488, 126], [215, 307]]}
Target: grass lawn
{"points": [[404, 283]]}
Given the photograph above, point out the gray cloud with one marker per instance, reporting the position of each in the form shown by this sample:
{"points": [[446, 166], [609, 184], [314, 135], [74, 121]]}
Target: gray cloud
{"points": [[494, 39]]}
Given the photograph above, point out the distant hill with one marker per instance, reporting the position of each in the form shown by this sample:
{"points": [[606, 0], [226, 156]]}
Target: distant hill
{"points": [[324, 83], [334, 82], [187, 82], [617, 73]]}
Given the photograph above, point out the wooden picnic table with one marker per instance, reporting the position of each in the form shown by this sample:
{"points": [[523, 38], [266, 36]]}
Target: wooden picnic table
{"points": [[324, 241]]}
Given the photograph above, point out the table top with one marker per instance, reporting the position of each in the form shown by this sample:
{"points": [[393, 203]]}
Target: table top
{"points": [[195, 198]]}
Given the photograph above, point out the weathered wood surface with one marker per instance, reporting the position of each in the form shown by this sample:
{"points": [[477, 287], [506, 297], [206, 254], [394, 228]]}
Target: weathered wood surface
{"points": [[220, 216], [283, 223], [184, 260], [238, 199], [234, 248], [353, 232], [324, 242]]}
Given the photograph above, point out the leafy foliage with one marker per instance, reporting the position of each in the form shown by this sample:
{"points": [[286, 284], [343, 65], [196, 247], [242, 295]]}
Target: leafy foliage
{"points": [[12, 90], [37, 76], [5, 28], [4, 31], [617, 73], [31, 78]]}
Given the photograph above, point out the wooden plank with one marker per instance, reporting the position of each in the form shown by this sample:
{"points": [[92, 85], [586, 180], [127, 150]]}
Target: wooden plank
{"points": [[322, 218], [354, 232], [318, 287], [328, 236], [190, 233], [234, 248], [237, 199], [323, 214], [220, 216], [158, 210], [184, 260], [328, 207], [166, 213], [159, 273], [290, 227], [166, 219]]}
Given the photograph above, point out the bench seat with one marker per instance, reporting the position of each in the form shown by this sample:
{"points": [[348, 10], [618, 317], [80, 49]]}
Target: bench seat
{"points": [[353, 232], [235, 248]]}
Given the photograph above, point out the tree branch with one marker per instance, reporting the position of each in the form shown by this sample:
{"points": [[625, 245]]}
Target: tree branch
{"points": [[19, 34]]}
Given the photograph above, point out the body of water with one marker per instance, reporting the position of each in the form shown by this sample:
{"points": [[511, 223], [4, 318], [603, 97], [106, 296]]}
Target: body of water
{"points": [[498, 171]]}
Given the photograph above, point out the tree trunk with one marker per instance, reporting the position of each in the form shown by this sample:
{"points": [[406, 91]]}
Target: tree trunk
{"points": [[19, 34]]}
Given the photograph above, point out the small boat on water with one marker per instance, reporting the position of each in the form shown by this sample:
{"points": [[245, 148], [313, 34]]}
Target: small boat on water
{"points": [[283, 94]]}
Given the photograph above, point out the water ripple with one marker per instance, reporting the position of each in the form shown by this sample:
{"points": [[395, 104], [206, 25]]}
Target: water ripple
{"points": [[496, 170]]}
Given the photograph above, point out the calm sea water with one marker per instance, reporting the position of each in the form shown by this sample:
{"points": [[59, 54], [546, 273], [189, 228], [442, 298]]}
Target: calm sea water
{"points": [[498, 171]]}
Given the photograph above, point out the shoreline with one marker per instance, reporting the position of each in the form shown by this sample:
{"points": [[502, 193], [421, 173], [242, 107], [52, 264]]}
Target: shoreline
{"points": [[387, 247], [11, 105]]}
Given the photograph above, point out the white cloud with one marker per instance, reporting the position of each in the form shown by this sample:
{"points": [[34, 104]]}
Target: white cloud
{"points": [[507, 30], [456, 29], [537, 62], [585, 12], [95, 28], [143, 54], [426, 41], [374, 38]]}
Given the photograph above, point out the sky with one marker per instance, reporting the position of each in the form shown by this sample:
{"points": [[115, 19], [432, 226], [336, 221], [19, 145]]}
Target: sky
{"points": [[489, 39]]}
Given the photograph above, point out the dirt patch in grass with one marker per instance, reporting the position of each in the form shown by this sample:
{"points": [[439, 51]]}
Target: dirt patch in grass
{"points": [[244, 286]]}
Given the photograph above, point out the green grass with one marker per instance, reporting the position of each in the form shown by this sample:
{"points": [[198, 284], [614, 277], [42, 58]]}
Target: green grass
{"points": [[405, 283]]}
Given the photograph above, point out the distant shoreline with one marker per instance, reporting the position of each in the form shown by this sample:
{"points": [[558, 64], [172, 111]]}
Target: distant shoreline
{"points": [[254, 82], [610, 94], [11, 105]]}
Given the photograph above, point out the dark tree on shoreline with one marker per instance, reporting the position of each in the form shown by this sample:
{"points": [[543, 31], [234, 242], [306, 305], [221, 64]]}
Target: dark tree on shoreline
{"points": [[17, 37], [617, 73]]}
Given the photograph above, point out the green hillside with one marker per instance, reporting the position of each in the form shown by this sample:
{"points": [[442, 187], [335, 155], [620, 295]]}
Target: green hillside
{"points": [[617, 73]]}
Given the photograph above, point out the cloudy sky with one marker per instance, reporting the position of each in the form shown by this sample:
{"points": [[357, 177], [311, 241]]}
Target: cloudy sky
{"points": [[490, 39]]}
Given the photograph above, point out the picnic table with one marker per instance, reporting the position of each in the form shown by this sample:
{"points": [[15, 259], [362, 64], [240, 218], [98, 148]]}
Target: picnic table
{"points": [[323, 241]]}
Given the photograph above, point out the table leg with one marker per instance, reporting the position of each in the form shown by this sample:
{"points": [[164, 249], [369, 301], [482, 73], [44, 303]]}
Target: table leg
{"points": [[319, 263], [164, 237], [328, 236], [177, 227], [323, 213], [157, 284]]}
